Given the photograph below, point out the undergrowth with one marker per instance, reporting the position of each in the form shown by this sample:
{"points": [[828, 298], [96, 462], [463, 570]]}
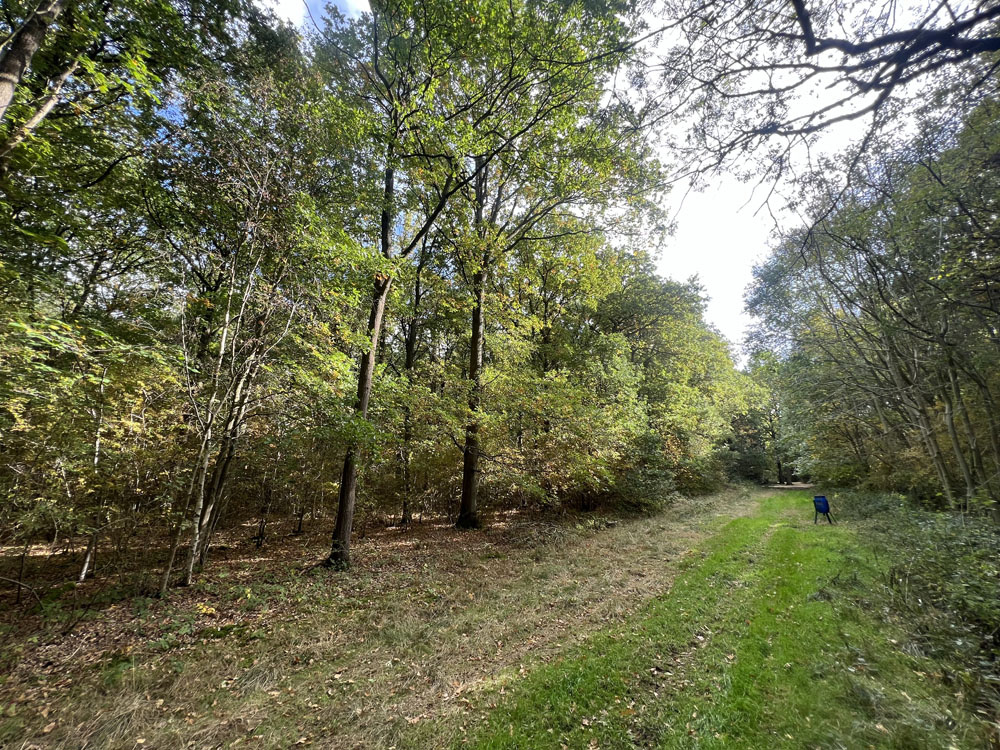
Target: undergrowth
{"points": [[941, 573]]}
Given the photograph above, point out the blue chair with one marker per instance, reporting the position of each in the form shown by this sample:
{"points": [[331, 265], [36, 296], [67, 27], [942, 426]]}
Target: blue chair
{"points": [[822, 505]]}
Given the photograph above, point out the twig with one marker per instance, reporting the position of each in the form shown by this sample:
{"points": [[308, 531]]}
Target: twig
{"points": [[24, 586]]}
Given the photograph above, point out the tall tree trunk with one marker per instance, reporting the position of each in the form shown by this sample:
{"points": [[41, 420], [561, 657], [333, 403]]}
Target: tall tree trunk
{"points": [[340, 549], [468, 512], [22, 46]]}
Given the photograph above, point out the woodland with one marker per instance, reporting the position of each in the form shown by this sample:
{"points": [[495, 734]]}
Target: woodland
{"points": [[267, 290]]}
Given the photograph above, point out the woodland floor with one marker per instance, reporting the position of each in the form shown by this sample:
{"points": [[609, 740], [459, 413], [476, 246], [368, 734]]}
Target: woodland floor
{"points": [[727, 621]]}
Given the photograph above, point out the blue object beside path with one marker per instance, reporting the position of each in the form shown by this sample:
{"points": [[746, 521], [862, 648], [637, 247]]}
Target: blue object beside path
{"points": [[822, 505]]}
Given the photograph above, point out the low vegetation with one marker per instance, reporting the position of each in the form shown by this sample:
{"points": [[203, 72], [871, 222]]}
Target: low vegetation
{"points": [[776, 633]]}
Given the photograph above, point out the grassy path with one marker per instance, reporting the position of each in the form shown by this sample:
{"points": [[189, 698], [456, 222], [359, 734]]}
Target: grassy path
{"points": [[725, 622], [768, 639]]}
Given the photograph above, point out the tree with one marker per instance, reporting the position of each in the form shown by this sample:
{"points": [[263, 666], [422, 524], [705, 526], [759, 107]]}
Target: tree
{"points": [[550, 149], [881, 311], [394, 64], [756, 79], [252, 153]]}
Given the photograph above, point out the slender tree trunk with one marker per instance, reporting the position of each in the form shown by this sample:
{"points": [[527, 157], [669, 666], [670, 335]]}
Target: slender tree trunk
{"points": [[219, 512], [175, 544], [934, 450], [956, 446], [220, 473], [265, 510], [210, 513], [913, 403], [971, 438], [340, 550], [88, 557], [22, 46], [468, 511], [198, 495]]}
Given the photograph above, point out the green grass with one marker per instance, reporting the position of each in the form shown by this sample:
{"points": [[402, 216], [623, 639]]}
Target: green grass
{"points": [[768, 638], [724, 622]]}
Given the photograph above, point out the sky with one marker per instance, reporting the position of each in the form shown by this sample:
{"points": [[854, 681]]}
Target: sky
{"points": [[723, 231], [719, 235], [295, 10]]}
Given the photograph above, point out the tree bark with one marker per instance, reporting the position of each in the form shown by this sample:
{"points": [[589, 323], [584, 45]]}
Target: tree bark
{"points": [[198, 495], [28, 127], [468, 512], [220, 472], [22, 46], [340, 550], [88, 557]]}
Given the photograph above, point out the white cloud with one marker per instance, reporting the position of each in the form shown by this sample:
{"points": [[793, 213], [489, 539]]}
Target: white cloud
{"points": [[288, 10]]}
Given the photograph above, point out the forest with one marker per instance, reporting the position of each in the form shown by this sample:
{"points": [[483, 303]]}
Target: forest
{"points": [[298, 319]]}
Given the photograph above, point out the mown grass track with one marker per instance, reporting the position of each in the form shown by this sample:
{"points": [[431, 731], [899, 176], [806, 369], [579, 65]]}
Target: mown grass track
{"points": [[769, 638]]}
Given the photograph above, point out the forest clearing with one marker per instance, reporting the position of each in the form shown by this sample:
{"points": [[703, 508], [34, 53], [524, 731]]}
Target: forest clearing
{"points": [[733, 621]]}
